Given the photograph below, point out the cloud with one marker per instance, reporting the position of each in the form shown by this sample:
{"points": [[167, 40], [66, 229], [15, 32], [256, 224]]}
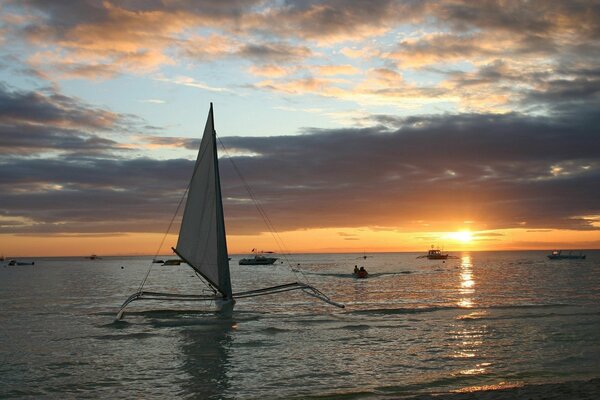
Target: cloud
{"points": [[274, 52], [401, 173], [520, 148], [486, 56], [34, 122], [191, 82]]}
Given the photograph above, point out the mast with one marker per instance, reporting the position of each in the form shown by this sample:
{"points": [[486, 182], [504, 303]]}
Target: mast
{"points": [[222, 257]]}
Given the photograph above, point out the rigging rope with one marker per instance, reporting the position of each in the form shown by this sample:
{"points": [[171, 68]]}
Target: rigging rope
{"points": [[276, 237], [162, 242]]}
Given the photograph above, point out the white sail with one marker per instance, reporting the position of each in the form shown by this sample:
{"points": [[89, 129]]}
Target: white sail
{"points": [[202, 242]]}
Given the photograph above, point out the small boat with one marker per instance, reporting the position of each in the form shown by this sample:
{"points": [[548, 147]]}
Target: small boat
{"points": [[202, 242], [559, 255], [435, 254], [172, 262], [94, 257], [361, 273], [12, 263], [157, 261], [258, 260]]}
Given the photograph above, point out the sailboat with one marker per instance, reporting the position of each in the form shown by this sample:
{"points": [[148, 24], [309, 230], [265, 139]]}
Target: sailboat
{"points": [[202, 243]]}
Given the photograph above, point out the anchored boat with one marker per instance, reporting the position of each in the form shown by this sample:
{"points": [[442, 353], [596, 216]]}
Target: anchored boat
{"points": [[258, 259], [435, 254], [566, 255]]}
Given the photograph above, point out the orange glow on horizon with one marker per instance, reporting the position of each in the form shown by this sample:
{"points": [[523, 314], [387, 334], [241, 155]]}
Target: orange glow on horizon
{"points": [[326, 240]]}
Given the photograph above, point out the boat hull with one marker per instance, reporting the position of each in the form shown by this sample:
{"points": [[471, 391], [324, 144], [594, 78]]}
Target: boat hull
{"points": [[553, 257], [262, 261]]}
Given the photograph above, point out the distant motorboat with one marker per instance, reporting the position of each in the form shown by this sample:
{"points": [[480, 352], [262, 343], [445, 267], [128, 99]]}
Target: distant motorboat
{"points": [[258, 259], [94, 257], [570, 255], [435, 254], [12, 263]]}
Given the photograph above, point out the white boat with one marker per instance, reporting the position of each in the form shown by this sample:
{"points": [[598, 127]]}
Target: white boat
{"points": [[202, 241]]}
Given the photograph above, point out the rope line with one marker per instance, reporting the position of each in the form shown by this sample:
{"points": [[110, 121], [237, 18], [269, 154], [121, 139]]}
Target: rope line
{"points": [[270, 226], [162, 242]]}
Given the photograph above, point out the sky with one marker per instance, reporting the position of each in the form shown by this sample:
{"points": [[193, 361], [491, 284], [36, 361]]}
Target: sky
{"points": [[359, 126]]}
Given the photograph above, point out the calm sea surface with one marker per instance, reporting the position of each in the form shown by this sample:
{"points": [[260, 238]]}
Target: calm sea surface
{"points": [[415, 326]]}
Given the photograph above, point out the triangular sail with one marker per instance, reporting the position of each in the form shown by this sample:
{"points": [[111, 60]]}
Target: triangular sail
{"points": [[202, 242]]}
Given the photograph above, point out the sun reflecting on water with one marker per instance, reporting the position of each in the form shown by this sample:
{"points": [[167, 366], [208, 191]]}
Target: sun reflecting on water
{"points": [[467, 282]]}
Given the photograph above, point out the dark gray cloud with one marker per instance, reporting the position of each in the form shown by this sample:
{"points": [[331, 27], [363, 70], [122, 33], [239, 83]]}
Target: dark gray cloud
{"points": [[502, 171], [274, 52], [499, 171], [36, 122]]}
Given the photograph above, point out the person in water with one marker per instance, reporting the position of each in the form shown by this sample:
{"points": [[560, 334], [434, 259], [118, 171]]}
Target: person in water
{"points": [[356, 269]]}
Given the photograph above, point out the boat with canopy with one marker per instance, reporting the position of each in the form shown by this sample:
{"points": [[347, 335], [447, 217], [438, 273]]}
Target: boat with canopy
{"points": [[202, 242]]}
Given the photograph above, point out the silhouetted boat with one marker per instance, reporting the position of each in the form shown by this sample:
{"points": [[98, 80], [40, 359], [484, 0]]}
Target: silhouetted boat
{"points": [[12, 263], [258, 259], [560, 255], [435, 254], [202, 241], [361, 273]]}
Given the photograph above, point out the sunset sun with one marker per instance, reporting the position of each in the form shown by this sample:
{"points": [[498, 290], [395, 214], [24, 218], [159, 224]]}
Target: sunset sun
{"points": [[462, 236]]}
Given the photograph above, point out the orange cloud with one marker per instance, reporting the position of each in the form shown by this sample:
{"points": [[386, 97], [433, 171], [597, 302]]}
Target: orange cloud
{"points": [[330, 70], [271, 71]]}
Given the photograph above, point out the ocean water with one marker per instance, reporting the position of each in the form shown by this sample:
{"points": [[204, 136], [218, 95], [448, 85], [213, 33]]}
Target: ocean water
{"points": [[415, 326]]}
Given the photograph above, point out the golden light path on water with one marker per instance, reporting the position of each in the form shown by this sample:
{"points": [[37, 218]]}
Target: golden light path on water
{"points": [[470, 340], [467, 283]]}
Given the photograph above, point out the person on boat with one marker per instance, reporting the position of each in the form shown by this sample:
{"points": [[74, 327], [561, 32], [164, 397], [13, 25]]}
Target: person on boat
{"points": [[356, 269], [362, 273]]}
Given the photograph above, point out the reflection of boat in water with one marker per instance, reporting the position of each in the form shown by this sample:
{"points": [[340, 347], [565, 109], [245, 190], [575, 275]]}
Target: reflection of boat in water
{"points": [[259, 259], [435, 254], [202, 243], [213, 342], [570, 255]]}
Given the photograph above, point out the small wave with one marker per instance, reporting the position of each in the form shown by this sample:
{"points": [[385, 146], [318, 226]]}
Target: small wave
{"points": [[255, 344], [525, 316], [393, 311], [140, 335], [273, 330], [116, 324], [352, 276], [359, 327], [419, 310]]}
